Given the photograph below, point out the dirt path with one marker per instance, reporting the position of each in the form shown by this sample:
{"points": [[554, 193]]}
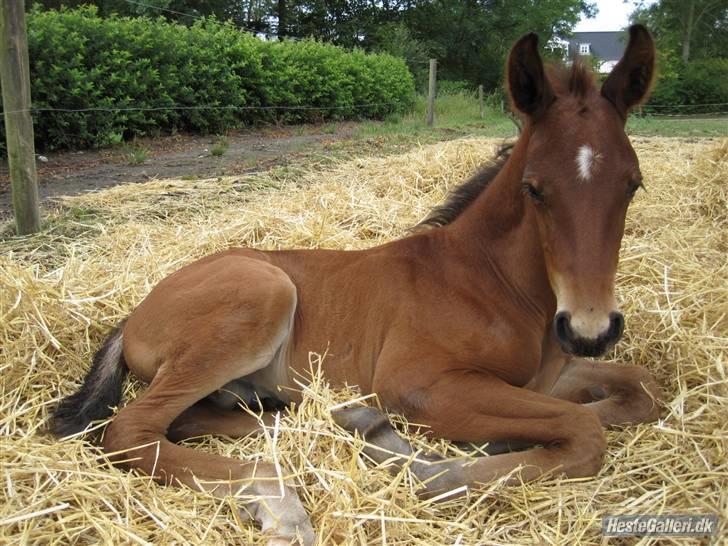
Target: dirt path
{"points": [[181, 156]]}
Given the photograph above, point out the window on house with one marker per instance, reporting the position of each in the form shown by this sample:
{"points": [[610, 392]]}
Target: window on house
{"points": [[584, 49]]}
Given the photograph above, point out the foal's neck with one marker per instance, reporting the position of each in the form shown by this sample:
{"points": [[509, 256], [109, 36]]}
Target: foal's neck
{"points": [[498, 232]]}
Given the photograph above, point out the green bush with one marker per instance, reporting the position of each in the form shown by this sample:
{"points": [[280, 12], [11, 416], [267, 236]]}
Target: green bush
{"points": [[690, 88], [397, 39], [119, 68], [317, 76], [455, 87], [707, 81]]}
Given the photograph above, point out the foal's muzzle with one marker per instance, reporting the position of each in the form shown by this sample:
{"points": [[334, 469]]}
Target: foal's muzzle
{"points": [[582, 346]]}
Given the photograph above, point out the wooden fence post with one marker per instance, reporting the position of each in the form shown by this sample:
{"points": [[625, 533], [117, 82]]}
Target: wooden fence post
{"points": [[15, 76], [480, 101], [432, 92]]}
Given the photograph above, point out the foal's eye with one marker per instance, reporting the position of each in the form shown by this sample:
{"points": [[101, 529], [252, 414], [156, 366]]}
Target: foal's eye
{"points": [[530, 190], [633, 187]]}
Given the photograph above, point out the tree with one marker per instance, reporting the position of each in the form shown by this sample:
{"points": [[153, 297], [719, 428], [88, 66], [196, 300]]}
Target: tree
{"points": [[474, 36], [185, 11], [692, 42], [397, 40], [282, 19], [692, 29]]}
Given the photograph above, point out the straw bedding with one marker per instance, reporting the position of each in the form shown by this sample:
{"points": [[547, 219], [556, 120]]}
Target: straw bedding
{"points": [[60, 292]]}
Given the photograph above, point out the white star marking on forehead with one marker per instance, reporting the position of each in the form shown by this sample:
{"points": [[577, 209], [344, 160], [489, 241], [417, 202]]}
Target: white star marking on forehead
{"points": [[586, 162]]}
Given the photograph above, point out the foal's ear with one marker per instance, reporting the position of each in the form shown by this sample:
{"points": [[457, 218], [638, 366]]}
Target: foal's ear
{"points": [[629, 83], [527, 84]]}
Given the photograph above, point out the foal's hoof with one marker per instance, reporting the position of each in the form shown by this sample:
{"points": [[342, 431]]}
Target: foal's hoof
{"points": [[282, 517], [289, 542], [357, 419], [306, 539], [296, 531], [290, 524]]}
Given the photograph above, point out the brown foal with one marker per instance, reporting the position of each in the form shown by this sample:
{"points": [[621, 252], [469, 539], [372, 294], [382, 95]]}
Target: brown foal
{"points": [[472, 327]]}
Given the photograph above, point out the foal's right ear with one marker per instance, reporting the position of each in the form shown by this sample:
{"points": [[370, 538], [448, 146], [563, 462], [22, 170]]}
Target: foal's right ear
{"points": [[527, 84], [629, 82]]}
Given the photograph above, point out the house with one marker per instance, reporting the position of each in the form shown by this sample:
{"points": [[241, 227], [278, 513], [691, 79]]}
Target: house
{"points": [[607, 47]]}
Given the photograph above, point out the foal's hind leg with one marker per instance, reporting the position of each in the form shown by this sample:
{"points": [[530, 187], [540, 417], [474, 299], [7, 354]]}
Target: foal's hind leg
{"points": [[215, 334], [618, 393], [136, 439], [205, 418]]}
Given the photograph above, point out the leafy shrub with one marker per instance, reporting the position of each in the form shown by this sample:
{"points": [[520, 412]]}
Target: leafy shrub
{"points": [[454, 87], [127, 72], [707, 81], [690, 88], [317, 76], [397, 40]]}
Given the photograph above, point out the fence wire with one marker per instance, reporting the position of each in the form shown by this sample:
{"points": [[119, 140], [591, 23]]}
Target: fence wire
{"points": [[195, 16], [197, 107]]}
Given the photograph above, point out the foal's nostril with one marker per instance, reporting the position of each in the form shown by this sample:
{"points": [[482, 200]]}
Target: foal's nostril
{"points": [[563, 327], [573, 340], [616, 325]]}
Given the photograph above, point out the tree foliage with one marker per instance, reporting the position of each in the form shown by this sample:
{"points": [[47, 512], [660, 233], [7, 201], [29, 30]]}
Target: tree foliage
{"points": [[690, 29], [470, 38], [692, 42]]}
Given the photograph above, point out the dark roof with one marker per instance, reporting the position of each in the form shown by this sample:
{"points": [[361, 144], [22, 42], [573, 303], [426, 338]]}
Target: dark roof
{"points": [[607, 46]]}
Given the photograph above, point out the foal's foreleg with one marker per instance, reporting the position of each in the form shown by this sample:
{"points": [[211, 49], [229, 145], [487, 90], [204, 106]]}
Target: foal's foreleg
{"points": [[487, 409], [619, 394], [384, 445]]}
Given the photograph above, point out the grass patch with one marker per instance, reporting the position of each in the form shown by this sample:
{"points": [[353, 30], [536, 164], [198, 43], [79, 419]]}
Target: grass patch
{"points": [[331, 128], [677, 127], [135, 154], [220, 146], [68, 222], [455, 115], [63, 231], [458, 114]]}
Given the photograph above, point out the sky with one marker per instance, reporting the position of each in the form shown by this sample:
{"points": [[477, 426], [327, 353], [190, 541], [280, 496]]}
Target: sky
{"points": [[613, 15]]}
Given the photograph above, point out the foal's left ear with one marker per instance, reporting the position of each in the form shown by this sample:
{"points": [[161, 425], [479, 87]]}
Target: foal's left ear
{"points": [[629, 83], [527, 84]]}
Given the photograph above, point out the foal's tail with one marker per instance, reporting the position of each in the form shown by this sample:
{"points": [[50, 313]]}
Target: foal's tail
{"points": [[101, 389]]}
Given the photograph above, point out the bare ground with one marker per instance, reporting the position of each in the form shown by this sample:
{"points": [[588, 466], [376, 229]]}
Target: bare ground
{"points": [[179, 156]]}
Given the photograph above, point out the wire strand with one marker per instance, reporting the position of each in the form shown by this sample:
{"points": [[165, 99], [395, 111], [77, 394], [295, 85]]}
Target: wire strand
{"points": [[195, 16], [199, 107], [696, 115], [160, 8], [685, 105]]}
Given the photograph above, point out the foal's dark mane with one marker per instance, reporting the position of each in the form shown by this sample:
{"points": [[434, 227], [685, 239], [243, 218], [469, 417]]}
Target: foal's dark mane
{"points": [[576, 80], [460, 198]]}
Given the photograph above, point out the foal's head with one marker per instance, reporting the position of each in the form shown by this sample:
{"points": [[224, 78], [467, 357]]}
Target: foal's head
{"points": [[581, 174]]}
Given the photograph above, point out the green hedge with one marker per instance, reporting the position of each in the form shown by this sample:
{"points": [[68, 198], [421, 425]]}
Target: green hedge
{"points": [[455, 87], [698, 87], [82, 61]]}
